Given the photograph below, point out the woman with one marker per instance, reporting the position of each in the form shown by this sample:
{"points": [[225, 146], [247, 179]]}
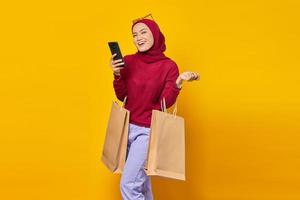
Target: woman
{"points": [[147, 77]]}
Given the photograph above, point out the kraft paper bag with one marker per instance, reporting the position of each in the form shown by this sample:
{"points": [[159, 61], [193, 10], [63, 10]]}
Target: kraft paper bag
{"points": [[115, 144], [166, 150]]}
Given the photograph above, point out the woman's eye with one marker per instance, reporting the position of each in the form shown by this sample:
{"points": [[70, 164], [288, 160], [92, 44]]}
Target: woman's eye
{"points": [[144, 32]]}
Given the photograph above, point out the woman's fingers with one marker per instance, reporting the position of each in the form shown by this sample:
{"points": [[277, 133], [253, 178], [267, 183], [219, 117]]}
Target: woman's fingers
{"points": [[190, 76], [119, 64], [116, 61], [194, 76], [117, 69], [112, 57]]}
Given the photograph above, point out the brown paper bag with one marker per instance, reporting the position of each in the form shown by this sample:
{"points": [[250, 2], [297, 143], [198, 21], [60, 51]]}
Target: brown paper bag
{"points": [[166, 152], [115, 145]]}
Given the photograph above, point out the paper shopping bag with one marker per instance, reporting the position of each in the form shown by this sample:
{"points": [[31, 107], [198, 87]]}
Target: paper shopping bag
{"points": [[166, 150], [115, 144]]}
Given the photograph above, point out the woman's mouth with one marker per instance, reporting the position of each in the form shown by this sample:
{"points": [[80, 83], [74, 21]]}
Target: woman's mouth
{"points": [[141, 43]]}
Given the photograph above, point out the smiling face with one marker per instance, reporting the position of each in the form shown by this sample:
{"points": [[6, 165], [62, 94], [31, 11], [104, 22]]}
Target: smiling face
{"points": [[142, 37]]}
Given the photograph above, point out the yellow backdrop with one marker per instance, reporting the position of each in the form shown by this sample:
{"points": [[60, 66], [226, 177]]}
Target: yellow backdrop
{"points": [[242, 117]]}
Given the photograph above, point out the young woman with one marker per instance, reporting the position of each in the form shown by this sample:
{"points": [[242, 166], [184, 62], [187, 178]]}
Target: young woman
{"points": [[147, 78]]}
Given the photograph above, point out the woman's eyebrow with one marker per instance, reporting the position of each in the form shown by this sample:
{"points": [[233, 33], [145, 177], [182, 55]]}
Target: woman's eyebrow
{"points": [[140, 30]]}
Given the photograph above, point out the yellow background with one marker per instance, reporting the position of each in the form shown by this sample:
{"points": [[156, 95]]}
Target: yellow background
{"points": [[242, 117]]}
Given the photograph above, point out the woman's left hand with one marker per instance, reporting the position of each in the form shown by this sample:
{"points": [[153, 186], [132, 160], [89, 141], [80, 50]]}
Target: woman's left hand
{"points": [[186, 76]]}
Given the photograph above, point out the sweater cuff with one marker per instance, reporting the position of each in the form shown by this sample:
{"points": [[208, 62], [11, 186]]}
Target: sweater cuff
{"points": [[116, 77]]}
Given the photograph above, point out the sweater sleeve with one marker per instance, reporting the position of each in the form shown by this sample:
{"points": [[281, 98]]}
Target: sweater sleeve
{"points": [[170, 90], [119, 82]]}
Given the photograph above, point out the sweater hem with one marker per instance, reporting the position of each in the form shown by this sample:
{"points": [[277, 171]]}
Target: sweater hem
{"points": [[147, 125]]}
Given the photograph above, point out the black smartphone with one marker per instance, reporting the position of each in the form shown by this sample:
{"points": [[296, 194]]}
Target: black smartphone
{"points": [[114, 48]]}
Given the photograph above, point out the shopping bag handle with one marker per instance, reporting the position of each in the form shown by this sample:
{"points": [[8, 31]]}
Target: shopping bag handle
{"points": [[175, 109], [164, 108], [124, 101], [163, 105]]}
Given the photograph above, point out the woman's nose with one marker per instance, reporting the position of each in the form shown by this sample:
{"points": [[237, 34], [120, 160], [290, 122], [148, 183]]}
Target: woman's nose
{"points": [[139, 38]]}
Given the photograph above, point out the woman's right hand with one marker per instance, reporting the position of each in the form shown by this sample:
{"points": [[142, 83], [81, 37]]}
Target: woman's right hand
{"points": [[114, 65]]}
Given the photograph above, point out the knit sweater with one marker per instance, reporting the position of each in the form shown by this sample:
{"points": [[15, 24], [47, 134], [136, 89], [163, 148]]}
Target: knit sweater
{"points": [[145, 87]]}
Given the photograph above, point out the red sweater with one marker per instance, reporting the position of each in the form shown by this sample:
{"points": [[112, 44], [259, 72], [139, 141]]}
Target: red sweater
{"points": [[145, 87]]}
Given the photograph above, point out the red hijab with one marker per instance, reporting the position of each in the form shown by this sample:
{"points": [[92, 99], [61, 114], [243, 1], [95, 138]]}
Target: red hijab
{"points": [[155, 53]]}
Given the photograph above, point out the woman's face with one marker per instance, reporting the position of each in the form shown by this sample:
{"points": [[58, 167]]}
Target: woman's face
{"points": [[142, 37]]}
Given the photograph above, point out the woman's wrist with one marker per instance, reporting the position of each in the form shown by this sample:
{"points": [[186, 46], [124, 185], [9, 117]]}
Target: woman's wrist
{"points": [[179, 82], [117, 76]]}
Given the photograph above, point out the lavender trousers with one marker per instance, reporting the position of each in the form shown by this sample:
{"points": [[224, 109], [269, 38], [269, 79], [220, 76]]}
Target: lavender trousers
{"points": [[135, 184]]}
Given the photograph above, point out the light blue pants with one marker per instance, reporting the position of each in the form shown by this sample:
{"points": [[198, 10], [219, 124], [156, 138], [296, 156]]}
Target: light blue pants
{"points": [[135, 184]]}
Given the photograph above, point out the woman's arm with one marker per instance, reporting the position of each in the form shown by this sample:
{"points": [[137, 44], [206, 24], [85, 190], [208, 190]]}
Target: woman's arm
{"points": [[120, 87], [173, 86], [119, 73], [170, 90]]}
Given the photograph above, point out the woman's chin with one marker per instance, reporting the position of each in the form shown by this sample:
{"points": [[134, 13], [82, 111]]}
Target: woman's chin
{"points": [[143, 50]]}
